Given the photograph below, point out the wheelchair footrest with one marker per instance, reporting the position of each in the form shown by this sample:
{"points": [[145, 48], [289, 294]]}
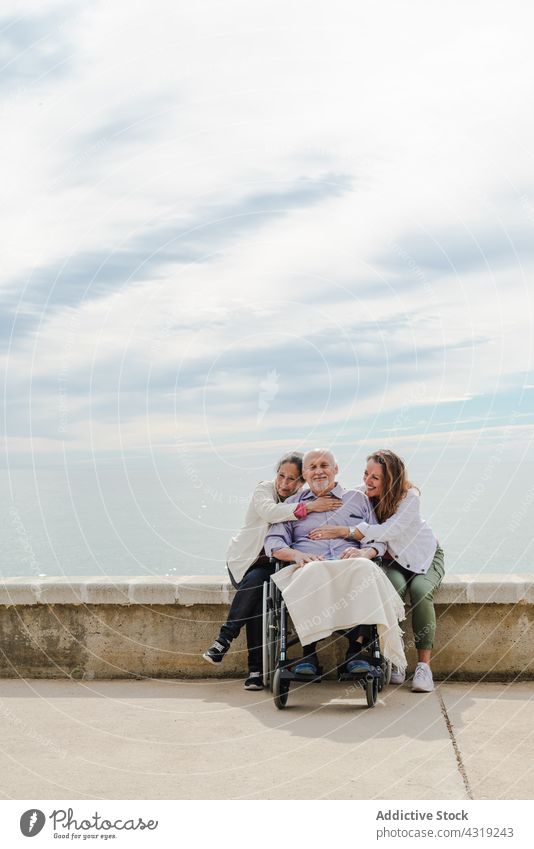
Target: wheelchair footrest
{"points": [[287, 675]]}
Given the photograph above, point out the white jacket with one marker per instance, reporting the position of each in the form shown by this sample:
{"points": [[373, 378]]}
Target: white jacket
{"points": [[265, 509], [409, 539]]}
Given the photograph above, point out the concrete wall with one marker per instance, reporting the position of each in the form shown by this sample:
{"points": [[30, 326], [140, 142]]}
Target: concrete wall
{"points": [[158, 627]]}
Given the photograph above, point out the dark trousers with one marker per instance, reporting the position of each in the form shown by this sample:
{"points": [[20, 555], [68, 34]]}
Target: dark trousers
{"points": [[246, 609], [310, 652]]}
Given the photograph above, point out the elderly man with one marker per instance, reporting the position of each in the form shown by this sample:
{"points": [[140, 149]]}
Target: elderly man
{"points": [[291, 542]]}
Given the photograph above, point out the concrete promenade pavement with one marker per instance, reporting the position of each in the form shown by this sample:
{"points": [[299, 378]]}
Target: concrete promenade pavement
{"points": [[175, 739]]}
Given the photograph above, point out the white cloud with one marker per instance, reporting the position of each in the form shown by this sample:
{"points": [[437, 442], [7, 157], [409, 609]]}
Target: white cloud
{"points": [[164, 119]]}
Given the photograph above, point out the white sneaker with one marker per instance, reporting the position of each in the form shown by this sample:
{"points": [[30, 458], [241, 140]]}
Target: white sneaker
{"points": [[398, 676], [422, 679]]}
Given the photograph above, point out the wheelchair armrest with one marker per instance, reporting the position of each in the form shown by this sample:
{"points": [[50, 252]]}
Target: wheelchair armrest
{"points": [[279, 564]]}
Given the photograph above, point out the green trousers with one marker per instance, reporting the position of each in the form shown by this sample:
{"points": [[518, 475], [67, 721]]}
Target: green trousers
{"points": [[421, 589]]}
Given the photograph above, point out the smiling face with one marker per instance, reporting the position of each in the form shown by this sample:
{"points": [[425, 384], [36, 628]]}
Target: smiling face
{"points": [[319, 470], [288, 480], [373, 478]]}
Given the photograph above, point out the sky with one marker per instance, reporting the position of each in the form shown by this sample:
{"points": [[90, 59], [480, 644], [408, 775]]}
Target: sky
{"points": [[232, 229]]}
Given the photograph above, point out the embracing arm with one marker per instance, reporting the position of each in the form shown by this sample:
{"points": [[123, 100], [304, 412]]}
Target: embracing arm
{"points": [[407, 511], [362, 509], [287, 511], [270, 510], [342, 531], [331, 532]]}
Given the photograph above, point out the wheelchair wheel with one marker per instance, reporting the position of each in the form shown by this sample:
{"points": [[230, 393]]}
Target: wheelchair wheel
{"points": [[265, 633], [273, 655], [273, 645], [280, 691], [371, 691], [386, 674], [270, 641]]}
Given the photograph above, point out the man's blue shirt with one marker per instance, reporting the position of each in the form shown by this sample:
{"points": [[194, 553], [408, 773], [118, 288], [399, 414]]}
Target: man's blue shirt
{"points": [[356, 508]]}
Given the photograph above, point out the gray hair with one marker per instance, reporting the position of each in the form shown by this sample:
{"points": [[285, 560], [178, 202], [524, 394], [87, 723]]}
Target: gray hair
{"points": [[325, 451], [294, 457]]}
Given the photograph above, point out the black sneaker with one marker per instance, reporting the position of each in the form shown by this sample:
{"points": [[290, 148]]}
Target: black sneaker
{"points": [[217, 651], [254, 681]]}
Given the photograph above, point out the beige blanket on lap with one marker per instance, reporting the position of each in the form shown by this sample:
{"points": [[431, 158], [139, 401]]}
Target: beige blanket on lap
{"points": [[330, 595]]}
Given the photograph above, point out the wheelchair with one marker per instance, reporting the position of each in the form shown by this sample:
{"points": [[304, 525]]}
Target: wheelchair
{"points": [[279, 636]]}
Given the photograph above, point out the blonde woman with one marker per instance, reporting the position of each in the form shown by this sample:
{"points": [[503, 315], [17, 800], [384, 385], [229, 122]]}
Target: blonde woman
{"points": [[414, 560]]}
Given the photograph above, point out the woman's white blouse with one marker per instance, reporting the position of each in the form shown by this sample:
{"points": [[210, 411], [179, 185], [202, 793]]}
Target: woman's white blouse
{"points": [[409, 539], [265, 509]]}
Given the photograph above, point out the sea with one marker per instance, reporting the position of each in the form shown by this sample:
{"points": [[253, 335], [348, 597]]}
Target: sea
{"points": [[140, 516]]}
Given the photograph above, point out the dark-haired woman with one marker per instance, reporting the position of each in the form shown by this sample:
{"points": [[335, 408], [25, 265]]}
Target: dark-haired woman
{"points": [[414, 560], [249, 566]]}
